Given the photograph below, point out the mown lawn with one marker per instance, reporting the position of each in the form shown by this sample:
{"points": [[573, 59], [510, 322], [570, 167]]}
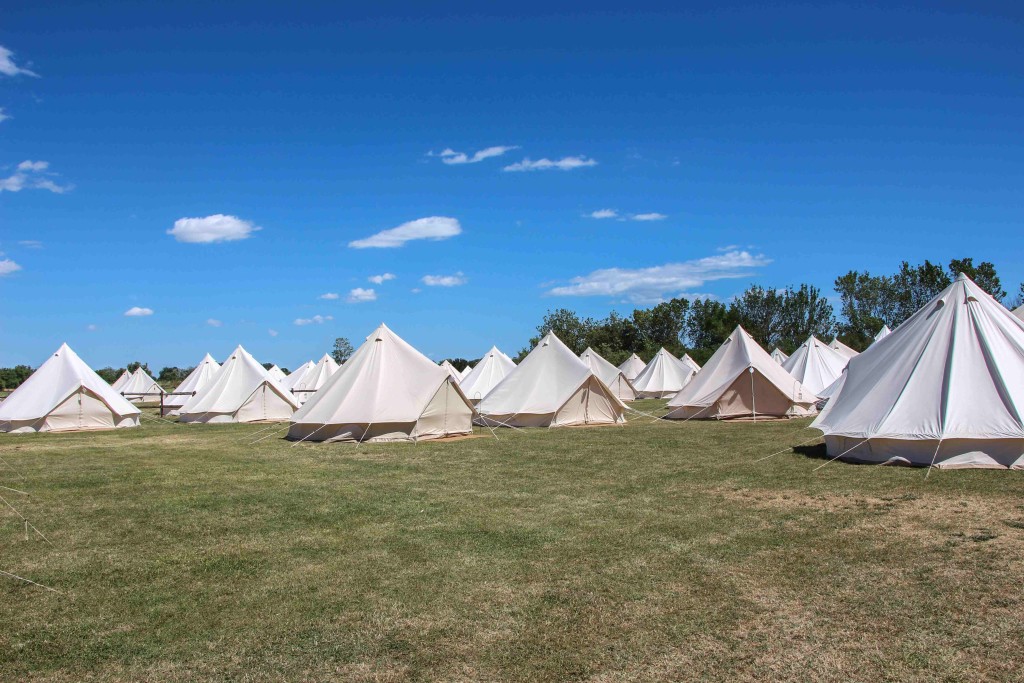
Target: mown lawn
{"points": [[656, 551]]}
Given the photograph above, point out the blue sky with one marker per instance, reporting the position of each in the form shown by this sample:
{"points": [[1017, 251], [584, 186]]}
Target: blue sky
{"points": [[774, 144]]}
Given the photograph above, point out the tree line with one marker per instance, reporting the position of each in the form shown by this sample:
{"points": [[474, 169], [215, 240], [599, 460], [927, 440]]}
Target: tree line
{"points": [[783, 317]]}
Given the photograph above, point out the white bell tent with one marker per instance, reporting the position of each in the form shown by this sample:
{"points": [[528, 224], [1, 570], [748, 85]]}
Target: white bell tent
{"points": [[946, 388], [241, 391], [191, 385], [297, 374], [63, 395], [387, 391], [276, 373], [741, 381], [141, 388], [551, 388], [663, 377], [842, 348], [491, 369], [314, 378], [778, 356], [455, 374], [689, 362], [883, 333], [121, 381], [815, 365], [632, 367], [613, 378]]}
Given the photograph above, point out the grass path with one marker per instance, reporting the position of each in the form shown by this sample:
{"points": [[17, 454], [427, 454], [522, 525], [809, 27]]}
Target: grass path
{"points": [[655, 551]]}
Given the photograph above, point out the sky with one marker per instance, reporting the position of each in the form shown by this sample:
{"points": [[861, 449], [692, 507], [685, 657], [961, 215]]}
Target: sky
{"points": [[179, 179]]}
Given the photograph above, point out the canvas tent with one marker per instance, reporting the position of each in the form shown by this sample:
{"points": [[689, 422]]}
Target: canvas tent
{"points": [[191, 385], [141, 388], [314, 378], [883, 333], [741, 380], [632, 367], [464, 373], [842, 348], [946, 388], [778, 356], [297, 374], [612, 377], [276, 373], [491, 369], [241, 391], [689, 362], [64, 394], [387, 391], [663, 377], [455, 374], [121, 381], [1019, 312], [815, 365], [551, 388]]}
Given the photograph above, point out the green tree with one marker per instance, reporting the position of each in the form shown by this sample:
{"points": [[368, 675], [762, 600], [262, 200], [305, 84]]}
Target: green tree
{"points": [[12, 378], [567, 326], [110, 375], [135, 365], [1019, 299], [761, 312], [910, 289], [662, 326], [342, 350], [173, 375], [805, 312], [865, 300], [984, 275], [615, 338], [707, 325]]}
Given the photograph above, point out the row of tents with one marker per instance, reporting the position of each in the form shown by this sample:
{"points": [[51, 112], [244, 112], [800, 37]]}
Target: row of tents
{"points": [[946, 388]]}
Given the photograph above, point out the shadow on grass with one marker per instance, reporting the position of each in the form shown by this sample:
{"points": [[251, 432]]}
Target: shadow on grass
{"points": [[817, 451]]}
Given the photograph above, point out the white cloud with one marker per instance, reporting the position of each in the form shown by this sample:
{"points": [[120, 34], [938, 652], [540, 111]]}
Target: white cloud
{"points": [[329, 296], [272, 333], [31, 244], [215, 228], [213, 322], [9, 68], [3, 116], [91, 328], [415, 290], [444, 280], [612, 213], [316, 319], [564, 164], [381, 279], [450, 156], [654, 283], [359, 295], [32, 175], [138, 312], [7, 266], [430, 228]]}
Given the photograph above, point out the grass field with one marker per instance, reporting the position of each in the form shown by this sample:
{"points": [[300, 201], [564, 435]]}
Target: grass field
{"points": [[655, 551]]}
